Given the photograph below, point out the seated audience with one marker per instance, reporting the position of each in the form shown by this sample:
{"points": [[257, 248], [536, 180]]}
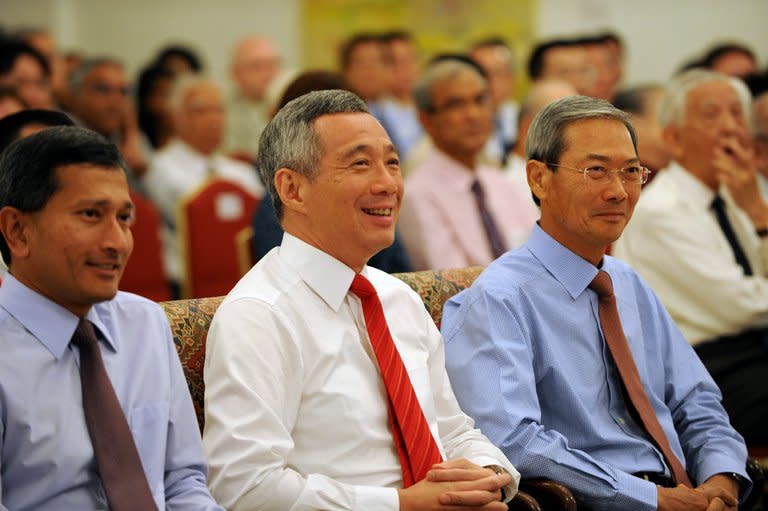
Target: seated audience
{"points": [[562, 59], [100, 100], [10, 101], [700, 239], [496, 59], [192, 157], [602, 57], [178, 59], [760, 136], [732, 59], [43, 41], [405, 127], [26, 69], [96, 413], [641, 102], [566, 358], [539, 95], [153, 106], [255, 63], [459, 212], [324, 378]]}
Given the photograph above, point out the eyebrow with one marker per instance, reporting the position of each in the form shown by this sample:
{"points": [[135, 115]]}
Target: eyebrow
{"points": [[102, 203], [362, 148], [603, 158]]}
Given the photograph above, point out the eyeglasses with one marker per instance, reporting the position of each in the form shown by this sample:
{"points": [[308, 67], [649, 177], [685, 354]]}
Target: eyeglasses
{"points": [[634, 174]]}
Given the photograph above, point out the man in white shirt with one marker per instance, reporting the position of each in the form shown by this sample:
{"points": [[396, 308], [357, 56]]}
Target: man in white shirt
{"points": [[297, 411], [699, 236], [191, 158]]}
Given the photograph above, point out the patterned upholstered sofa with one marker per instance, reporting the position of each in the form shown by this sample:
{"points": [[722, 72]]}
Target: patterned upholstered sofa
{"points": [[190, 319]]}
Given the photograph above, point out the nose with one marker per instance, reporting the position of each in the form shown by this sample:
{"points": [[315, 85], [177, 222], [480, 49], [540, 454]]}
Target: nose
{"points": [[615, 188], [387, 179], [117, 237]]}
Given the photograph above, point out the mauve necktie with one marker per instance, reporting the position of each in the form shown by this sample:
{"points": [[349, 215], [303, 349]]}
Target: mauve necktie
{"points": [[622, 357], [718, 206], [122, 474], [415, 444], [495, 240]]}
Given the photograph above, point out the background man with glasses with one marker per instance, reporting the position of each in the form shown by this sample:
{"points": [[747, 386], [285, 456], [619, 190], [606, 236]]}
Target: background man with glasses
{"points": [[566, 358], [700, 238], [458, 211]]}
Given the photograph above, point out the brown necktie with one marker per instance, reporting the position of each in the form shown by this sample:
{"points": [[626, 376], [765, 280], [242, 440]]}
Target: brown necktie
{"points": [[122, 474], [413, 439], [622, 356]]}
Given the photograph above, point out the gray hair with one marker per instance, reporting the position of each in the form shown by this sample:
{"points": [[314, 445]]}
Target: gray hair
{"points": [[436, 73], [77, 77], [671, 108], [546, 141], [290, 140]]}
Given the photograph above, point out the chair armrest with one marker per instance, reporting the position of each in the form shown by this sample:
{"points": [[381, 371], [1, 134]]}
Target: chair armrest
{"points": [[523, 502], [551, 495], [757, 474]]}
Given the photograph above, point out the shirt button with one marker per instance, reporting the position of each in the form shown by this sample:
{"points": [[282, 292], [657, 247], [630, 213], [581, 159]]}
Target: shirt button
{"points": [[621, 421]]}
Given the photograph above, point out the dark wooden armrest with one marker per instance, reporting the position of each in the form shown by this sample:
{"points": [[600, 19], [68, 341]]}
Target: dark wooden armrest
{"points": [[524, 502], [757, 474], [551, 495]]}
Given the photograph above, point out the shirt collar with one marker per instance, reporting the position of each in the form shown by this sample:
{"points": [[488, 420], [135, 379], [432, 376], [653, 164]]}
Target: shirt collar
{"points": [[571, 270], [695, 190], [325, 275], [47, 321]]}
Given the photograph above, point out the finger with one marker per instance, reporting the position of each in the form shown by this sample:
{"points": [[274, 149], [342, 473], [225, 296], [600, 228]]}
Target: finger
{"points": [[716, 505], [713, 492], [491, 483], [469, 498], [455, 463], [457, 474]]}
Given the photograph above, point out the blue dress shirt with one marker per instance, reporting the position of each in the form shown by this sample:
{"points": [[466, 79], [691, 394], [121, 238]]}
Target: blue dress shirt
{"points": [[46, 457], [527, 360]]}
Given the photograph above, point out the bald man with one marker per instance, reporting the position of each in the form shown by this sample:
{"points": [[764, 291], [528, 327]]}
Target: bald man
{"points": [[255, 63]]}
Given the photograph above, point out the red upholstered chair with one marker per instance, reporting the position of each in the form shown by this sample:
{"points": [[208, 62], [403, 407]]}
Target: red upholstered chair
{"points": [[207, 224], [145, 274]]}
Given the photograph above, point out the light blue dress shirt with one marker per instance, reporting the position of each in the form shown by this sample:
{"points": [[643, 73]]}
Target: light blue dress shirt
{"points": [[46, 457], [527, 360]]}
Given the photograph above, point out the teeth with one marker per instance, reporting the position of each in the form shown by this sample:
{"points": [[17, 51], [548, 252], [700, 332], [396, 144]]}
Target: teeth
{"points": [[379, 211]]}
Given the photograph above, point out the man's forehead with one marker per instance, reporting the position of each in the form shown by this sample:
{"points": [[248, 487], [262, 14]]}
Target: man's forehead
{"points": [[714, 92]]}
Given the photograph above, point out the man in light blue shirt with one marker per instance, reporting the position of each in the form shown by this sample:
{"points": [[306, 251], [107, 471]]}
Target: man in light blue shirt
{"points": [[526, 354], [65, 217]]}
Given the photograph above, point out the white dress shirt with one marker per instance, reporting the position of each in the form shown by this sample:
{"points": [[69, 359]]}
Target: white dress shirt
{"points": [[177, 170], [295, 407], [675, 242]]}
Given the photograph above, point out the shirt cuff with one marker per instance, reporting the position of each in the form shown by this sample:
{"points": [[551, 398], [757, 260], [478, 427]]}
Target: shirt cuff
{"points": [[635, 493], [722, 465], [376, 498]]}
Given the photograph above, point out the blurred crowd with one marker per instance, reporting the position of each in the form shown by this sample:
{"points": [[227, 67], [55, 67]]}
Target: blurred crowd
{"points": [[176, 127]]}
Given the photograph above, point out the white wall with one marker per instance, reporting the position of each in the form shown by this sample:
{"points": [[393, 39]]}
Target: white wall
{"points": [[659, 34]]}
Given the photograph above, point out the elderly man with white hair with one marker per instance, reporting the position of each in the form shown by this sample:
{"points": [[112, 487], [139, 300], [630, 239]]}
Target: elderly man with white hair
{"points": [[187, 161], [699, 236]]}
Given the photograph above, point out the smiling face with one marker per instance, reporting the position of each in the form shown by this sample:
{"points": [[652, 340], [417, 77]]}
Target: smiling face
{"points": [[582, 214], [350, 207], [75, 248]]}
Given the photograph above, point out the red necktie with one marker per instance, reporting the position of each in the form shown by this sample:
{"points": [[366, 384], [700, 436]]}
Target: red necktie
{"points": [[415, 444], [120, 468], [622, 356]]}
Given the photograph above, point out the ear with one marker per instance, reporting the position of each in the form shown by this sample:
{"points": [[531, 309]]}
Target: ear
{"points": [[292, 188], [671, 136], [539, 177], [14, 226]]}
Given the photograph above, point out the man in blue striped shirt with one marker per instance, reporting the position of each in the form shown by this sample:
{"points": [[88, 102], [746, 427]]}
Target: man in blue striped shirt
{"points": [[527, 357]]}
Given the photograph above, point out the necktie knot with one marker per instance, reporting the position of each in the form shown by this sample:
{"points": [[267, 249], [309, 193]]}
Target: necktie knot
{"points": [[362, 287], [602, 285], [85, 334]]}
